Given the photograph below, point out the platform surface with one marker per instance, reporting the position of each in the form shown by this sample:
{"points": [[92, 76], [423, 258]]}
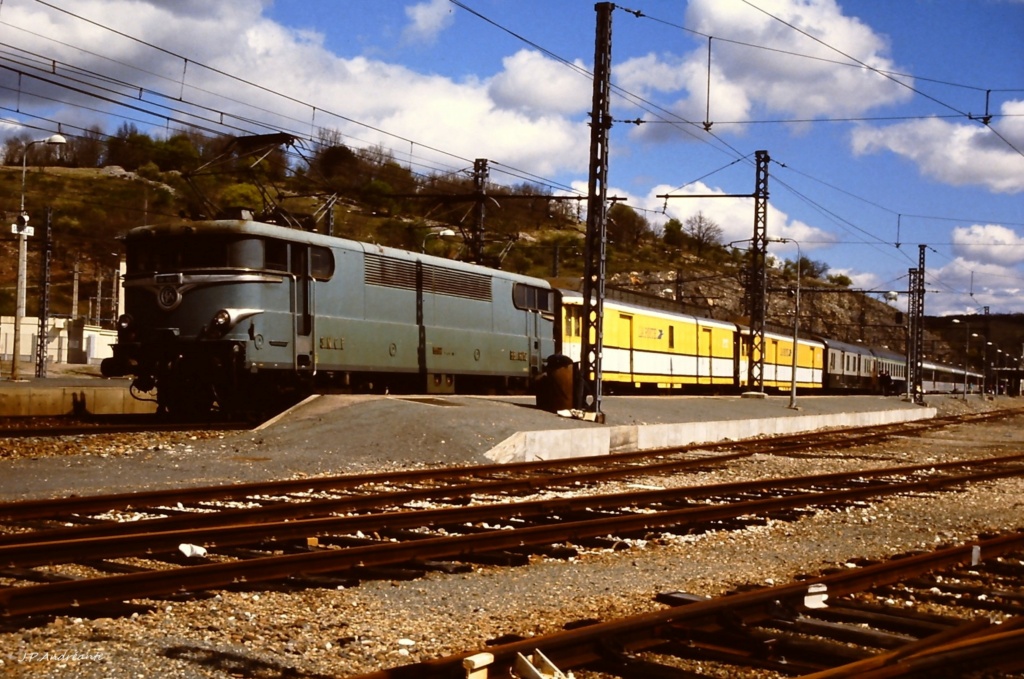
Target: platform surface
{"points": [[348, 434]]}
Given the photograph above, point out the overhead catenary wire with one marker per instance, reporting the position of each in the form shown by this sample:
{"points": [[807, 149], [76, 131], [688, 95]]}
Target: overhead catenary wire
{"points": [[316, 109]]}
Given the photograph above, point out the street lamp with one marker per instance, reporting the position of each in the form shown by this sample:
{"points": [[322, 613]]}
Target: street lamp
{"points": [[967, 351], [443, 233], [24, 231]]}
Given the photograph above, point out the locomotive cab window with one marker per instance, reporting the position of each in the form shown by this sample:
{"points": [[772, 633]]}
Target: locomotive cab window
{"points": [[183, 252], [321, 263], [532, 298], [276, 255]]}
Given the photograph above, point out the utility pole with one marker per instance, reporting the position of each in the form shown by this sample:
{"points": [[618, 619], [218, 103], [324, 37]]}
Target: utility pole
{"points": [[915, 341], [42, 339], [115, 282], [758, 283], [754, 299], [588, 391], [99, 296], [476, 241], [74, 292]]}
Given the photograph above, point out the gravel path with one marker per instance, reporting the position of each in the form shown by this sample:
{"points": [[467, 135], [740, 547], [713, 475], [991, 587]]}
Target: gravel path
{"points": [[338, 632]]}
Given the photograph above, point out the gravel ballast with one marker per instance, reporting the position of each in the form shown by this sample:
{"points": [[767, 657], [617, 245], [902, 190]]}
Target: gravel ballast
{"points": [[377, 624]]}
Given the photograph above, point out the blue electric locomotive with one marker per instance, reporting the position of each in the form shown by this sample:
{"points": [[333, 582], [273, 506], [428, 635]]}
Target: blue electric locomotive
{"points": [[231, 314]]}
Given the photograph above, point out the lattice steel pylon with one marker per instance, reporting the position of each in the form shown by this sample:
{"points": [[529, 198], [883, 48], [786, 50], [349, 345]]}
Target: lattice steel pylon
{"points": [[476, 242], [588, 388], [916, 333], [42, 335], [757, 284]]}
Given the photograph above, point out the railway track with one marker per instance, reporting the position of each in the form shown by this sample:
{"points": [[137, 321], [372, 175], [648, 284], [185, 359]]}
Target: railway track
{"points": [[49, 427], [357, 492], [860, 622], [174, 549]]}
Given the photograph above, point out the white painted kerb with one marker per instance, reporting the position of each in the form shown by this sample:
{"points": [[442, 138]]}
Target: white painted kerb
{"points": [[565, 443]]}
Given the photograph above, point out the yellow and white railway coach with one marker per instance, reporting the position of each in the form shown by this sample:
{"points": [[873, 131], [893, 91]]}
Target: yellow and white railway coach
{"points": [[778, 362], [651, 350]]}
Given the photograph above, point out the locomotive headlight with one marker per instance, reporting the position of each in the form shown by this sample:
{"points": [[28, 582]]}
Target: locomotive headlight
{"points": [[221, 320], [225, 319], [125, 322]]}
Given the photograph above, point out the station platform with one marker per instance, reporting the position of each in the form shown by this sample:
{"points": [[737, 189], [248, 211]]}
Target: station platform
{"points": [[64, 395], [511, 429], [342, 434]]}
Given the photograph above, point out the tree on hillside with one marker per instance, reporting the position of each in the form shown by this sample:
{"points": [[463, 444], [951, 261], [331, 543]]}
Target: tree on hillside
{"points": [[176, 153], [626, 226], [702, 232], [840, 279], [129, 148], [86, 149], [673, 233], [808, 269]]}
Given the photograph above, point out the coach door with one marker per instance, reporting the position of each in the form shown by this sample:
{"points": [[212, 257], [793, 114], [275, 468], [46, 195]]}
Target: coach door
{"points": [[626, 342], [303, 305], [705, 357]]}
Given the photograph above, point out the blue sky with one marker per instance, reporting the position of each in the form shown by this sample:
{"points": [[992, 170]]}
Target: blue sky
{"points": [[862, 160]]}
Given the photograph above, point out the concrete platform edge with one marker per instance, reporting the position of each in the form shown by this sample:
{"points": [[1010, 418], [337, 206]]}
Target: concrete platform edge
{"points": [[564, 443]]}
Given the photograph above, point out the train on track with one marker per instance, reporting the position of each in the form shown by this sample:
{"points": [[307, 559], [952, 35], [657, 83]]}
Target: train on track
{"points": [[235, 315]]}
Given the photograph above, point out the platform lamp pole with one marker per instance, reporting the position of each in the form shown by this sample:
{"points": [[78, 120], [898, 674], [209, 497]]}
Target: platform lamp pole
{"points": [[967, 351], [23, 230]]}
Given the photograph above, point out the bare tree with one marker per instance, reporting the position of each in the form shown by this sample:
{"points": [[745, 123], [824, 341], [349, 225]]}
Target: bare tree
{"points": [[702, 232]]}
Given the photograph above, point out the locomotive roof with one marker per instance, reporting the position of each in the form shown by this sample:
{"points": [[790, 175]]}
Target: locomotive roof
{"points": [[244, 227]]}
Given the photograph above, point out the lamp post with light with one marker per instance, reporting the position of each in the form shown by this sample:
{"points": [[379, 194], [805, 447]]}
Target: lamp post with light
{"points": [[443, 233], [967, 350], [23, 230]]}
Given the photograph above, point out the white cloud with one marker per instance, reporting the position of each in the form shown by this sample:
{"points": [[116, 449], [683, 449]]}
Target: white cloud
{"points": [[989, 244], [987, 284], [860, 280], [746, 82], [958, 154], [427, 20], [504, 116], [735, 216], [533, 84]]}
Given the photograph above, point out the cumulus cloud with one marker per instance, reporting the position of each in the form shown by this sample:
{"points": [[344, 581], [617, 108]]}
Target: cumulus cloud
{"points": [[302, 84], [955, 153], [988, 284], [427, 20], [989, 244], [539, 86], [735, 216], [747, 81]]}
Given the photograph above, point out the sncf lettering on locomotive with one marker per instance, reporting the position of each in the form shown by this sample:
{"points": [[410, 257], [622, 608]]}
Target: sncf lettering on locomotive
{"points": [[332, 343]]}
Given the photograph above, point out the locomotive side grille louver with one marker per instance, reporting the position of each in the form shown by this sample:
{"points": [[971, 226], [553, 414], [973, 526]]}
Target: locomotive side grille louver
{"points": [[398, 273]]}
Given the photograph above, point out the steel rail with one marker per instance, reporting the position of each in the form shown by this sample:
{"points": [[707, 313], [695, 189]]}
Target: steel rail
{"points": [[234, 518], [60, 595], [35, 550], [78, 505], [989, 642], [584, 645]]}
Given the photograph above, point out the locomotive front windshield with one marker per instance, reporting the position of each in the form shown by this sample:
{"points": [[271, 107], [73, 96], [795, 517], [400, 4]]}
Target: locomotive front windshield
{"points": [[179, 253]]}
